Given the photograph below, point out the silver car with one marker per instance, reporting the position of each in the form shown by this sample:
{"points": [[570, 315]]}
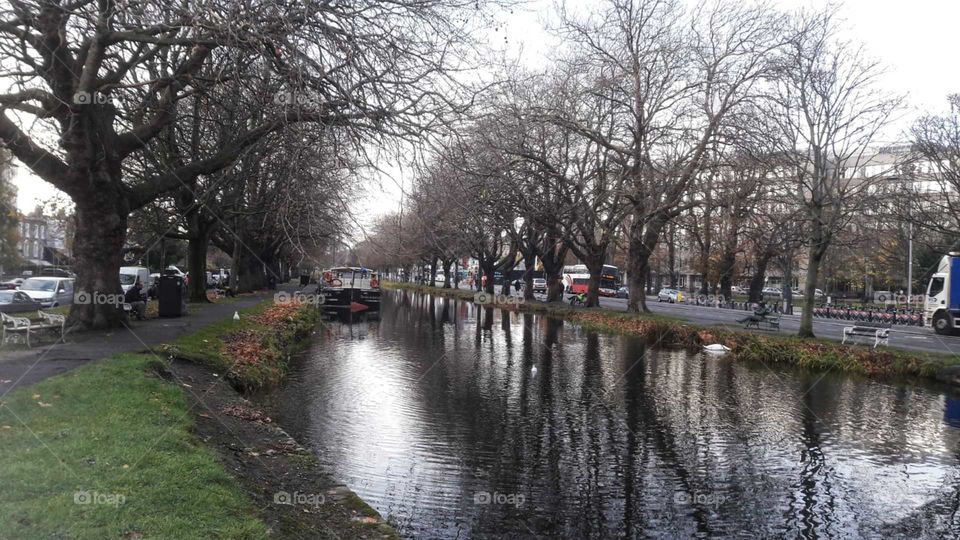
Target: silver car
{"points": [[539, 285], [669, 295], [49, 291]]}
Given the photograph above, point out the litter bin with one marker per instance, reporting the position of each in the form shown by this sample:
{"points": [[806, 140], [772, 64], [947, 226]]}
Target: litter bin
{"points": [[172, 296], [304, 280]]}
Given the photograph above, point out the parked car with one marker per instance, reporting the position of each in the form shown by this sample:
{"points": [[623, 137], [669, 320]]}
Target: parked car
{"points": [[17, 301], [772, 291], [49, 291], [539, 285], [669, 295], [737, 290], [11, 284], [623, 292]]}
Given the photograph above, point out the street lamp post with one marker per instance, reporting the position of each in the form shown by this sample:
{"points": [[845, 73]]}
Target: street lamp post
{"points": [[910, 265]]}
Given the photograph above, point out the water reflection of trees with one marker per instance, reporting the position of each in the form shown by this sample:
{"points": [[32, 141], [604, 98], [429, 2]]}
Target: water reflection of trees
{"points": [[597, 455]]}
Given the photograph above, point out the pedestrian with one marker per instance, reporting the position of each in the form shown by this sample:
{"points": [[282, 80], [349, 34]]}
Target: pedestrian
{"points": [[134, 297], [516, 285]]}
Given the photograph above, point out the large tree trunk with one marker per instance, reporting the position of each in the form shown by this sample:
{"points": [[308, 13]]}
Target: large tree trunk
{"points": [[728, 263], [529, 262], [198, 240], [595, 267], [434, 264], [552, 260], [787, 282], [489, 269], [760, 263], [446, 273], [101, 220], [642, 243], [817, 250]]}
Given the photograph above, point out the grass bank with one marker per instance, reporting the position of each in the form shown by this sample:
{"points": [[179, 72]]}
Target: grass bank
{"points": [[253, 352], [139, 446], [107, 451], [814, 354]]}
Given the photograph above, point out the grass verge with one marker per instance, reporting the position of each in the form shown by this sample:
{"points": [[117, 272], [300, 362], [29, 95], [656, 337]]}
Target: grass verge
{"points": [[253, 351], [106, 451], [815, 354]]}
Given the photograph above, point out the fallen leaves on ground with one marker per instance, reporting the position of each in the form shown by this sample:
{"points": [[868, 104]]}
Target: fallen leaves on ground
{"points": [[246, 413]]}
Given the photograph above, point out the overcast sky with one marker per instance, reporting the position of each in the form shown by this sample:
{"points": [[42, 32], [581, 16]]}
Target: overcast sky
{"points": [[916, 39]]}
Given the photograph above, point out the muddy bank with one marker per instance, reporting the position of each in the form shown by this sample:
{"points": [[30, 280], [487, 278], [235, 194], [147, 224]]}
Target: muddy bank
{"points": [[294, 496]]}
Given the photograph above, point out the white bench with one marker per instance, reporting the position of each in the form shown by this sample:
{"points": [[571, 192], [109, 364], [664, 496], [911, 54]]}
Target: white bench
{"points": [[15, 325], [880, 334]]}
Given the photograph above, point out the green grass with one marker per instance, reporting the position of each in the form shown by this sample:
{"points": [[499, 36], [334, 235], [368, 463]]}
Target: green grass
{"points": [[206, 346], [112, 428]]}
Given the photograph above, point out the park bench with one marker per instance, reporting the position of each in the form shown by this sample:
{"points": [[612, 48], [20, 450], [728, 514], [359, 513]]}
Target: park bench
{"points": [[879, 333], [764, 323], [14, 326]]}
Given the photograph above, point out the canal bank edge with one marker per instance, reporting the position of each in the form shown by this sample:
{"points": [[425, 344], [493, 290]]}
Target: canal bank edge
{"points": [[146, 445], [277, 471], [813, 354]]}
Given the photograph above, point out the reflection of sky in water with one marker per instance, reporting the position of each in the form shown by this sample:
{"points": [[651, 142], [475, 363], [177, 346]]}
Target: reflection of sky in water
{"points": [[429, 407]]}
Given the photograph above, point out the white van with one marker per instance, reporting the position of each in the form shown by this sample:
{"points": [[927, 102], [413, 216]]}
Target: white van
{"points": [[129, 275]]}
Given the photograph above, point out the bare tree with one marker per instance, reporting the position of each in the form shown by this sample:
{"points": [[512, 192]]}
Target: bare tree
{"points": [[673, 78], [104, 78], [828, 109], [933, 181]]}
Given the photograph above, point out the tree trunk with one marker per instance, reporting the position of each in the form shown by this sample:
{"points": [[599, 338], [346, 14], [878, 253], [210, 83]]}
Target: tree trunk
{"points": [[787, 281], [489, 268], [705, 270], [595, 267], [446, 273], [552, 259], [728, 263], [529, 262], [817, 250], [759, 277], [235, 265], [672, 256], [101, 231], [197, 243], [642, 243]]}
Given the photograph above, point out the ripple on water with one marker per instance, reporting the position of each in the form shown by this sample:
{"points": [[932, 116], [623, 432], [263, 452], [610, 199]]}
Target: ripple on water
{"points": [[446, 428]]}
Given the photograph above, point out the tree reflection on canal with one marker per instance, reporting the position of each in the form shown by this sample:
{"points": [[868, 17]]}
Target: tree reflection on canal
{"points": [[454, 420]]}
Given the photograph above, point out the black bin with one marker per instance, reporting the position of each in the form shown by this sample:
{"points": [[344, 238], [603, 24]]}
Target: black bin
{"points": [[172, 296]]}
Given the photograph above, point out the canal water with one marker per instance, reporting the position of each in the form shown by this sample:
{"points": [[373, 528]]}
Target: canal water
{"points": [[455, 421]]}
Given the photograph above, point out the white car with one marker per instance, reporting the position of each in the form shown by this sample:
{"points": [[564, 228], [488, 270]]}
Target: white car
{"points": [[539, 285], [737, 290], [669, 295], [772, 291], [49, 291]]}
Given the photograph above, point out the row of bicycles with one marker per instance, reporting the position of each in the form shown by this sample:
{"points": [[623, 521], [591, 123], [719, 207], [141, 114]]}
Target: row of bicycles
{"points": [[900, 317]]}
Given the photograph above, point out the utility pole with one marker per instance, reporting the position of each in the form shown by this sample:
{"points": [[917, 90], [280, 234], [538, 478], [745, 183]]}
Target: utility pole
{"points": [[910, 265]]}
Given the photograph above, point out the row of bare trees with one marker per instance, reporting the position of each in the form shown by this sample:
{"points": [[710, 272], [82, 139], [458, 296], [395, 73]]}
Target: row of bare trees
{"points": [[736, 123], [224, 112]]}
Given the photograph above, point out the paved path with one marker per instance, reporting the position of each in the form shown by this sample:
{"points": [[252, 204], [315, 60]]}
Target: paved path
{"points": [[25, 367]]}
